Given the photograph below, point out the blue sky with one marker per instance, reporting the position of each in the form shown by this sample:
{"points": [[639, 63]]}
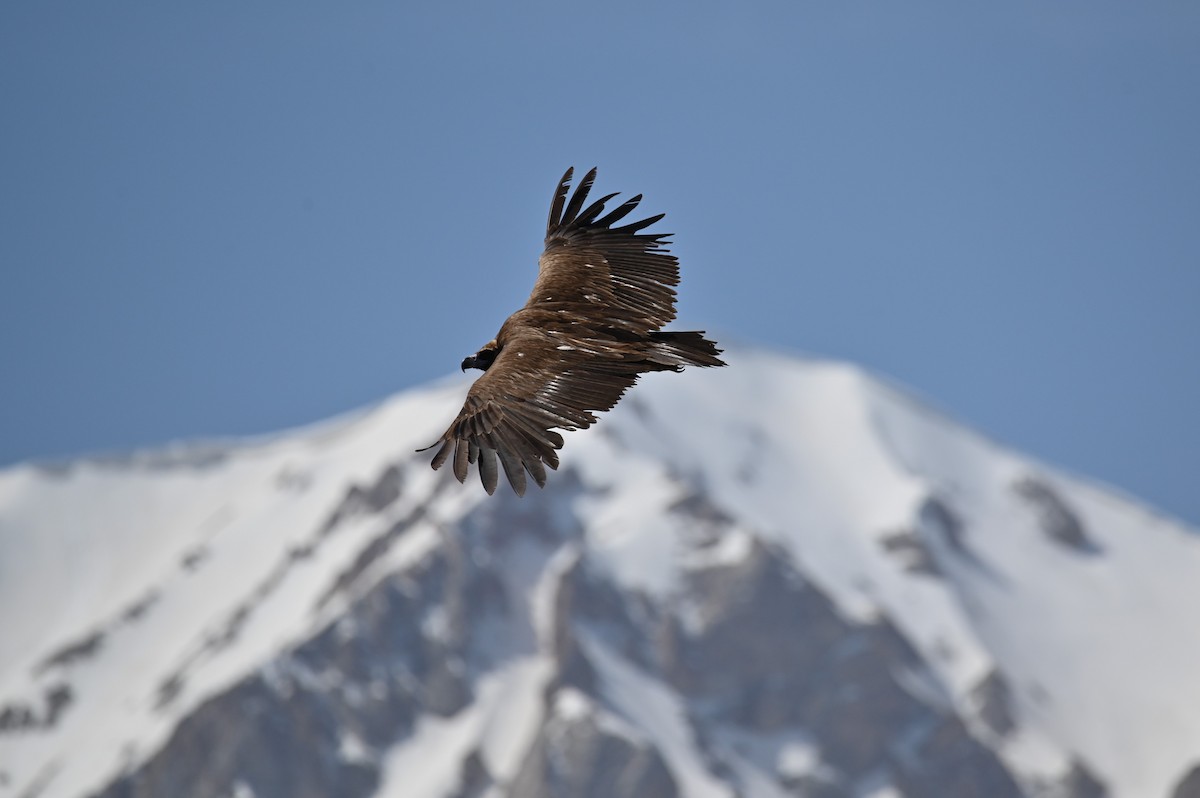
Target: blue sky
{"points": [[224, 218]]}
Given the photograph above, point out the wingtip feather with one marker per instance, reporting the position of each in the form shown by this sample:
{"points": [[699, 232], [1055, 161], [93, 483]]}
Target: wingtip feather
{"points": [[488, 474], [560, 198], [578, 198], [439, 459], [461, 451], [620, 212]]}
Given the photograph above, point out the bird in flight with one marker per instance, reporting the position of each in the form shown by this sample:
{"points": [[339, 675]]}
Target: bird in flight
{"points": [[592, 325]]}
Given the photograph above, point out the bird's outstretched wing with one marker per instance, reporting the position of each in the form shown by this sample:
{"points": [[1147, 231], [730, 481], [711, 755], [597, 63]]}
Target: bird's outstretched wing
{"points": [[619, 276], [511, 411]]}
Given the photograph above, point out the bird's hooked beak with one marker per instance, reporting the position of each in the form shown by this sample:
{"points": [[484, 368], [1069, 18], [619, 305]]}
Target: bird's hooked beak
{"points": [[482, 359]]}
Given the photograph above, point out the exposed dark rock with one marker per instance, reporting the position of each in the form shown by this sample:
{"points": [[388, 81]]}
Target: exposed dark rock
{"points": [[912, 552], [763, 648], [623, 620], [17, 717], [937, 516], [1189, 785], [699, 507], [72, 652], [1056, 519], [546, 517], [21, 716], [993, 699], [372, 499], [575, 596], [474, 778], [139, 608], [944, 531], [374, 549], [244, 737], [946, 760], [58, 697], [579, 757], [1080, 782], [815, 786], [755, 644], [193, 558], [229, 631], [734, 632], [168, 689]]}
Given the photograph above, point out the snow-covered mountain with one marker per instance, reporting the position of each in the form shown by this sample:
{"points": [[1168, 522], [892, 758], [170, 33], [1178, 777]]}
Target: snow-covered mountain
{"points": [[783, 578]]}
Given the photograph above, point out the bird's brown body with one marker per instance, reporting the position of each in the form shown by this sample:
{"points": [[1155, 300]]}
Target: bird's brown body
{"points": [[591, 326]]}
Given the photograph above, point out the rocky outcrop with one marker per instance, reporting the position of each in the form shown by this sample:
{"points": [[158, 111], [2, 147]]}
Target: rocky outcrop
{"points": [[1189, 785], [579, 754], [748, 646], [1081, 782], [907, 546], [1055, 517], [993, 700]]}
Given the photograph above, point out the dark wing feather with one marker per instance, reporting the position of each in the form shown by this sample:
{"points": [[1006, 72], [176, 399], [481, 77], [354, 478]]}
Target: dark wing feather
{"points": [[577, 199], [620, 212], [622, 278], [560, 198], [510, 411], [487, 468], [593, 210]]}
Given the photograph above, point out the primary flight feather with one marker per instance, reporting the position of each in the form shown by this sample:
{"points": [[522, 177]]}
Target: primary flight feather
{"points": [[592, 325]]}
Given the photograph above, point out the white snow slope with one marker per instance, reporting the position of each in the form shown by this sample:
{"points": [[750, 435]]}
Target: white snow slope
{"points": [[101, 589]]}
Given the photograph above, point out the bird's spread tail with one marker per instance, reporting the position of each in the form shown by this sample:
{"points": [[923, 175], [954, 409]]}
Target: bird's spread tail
{"points": [[684, 349]]}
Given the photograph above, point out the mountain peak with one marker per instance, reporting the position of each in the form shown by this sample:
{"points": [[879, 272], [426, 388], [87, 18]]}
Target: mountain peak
{"points": [[785, 577]]}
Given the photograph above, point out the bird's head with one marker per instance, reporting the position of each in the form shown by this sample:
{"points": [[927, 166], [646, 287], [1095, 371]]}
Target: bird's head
{"points": [[482, 359]]}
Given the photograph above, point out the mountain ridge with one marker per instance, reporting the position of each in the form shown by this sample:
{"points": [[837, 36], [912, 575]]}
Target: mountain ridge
{"points": [[964, 567]]}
